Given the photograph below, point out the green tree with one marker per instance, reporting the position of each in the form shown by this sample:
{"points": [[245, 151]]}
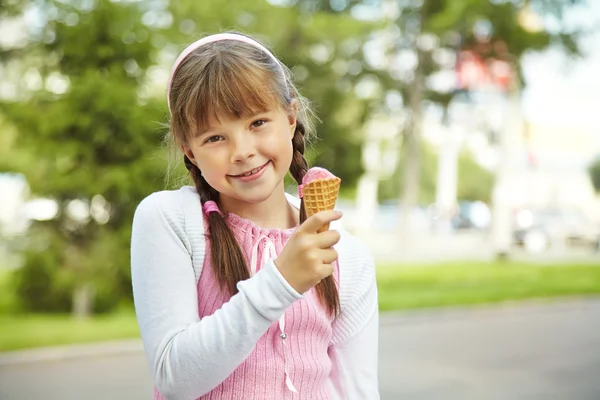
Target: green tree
{"points": [[94, 149], [474, 181], [89, 136], [456, 25], [91, 133], [594, 173], [418, 29]]}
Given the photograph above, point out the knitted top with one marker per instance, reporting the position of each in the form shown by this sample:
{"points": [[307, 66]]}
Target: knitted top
{"points": [[267, 341]]}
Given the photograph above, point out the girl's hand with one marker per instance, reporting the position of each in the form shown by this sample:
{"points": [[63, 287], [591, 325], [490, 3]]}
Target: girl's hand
{"points": [[307, 257]]}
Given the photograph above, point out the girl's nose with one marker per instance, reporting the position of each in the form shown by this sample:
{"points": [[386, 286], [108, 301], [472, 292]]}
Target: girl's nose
{"points": [[242, 150]]}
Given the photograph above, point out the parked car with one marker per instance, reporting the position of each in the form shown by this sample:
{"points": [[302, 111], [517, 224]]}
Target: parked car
{"points": [[472, 215], [537, 230]]}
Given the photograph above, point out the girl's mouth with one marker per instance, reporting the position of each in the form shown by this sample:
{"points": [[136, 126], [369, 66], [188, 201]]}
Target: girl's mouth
{"points": [[252, 174]]}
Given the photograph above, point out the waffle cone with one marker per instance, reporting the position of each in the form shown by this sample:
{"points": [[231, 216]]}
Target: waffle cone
{"points": [[320, 195]]}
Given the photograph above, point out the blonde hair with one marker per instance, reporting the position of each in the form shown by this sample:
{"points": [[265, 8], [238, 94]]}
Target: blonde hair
{"points": [[236, 78]]}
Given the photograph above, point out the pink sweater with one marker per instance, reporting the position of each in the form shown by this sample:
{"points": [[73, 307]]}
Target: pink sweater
{"points": [[308, 332], [237, 352]]}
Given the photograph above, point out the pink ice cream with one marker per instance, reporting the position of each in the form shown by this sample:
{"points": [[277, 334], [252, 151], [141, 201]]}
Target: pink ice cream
{"points": [[316, 173]]}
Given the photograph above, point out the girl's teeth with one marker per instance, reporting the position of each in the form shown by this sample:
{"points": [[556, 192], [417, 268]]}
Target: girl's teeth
{"points": [[252, 172]]}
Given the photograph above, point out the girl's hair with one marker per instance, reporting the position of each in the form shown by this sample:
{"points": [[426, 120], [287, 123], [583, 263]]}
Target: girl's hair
{"points": [[235, 78]]}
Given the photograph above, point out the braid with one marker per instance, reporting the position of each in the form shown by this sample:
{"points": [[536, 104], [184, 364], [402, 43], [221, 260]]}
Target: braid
{"points": [[299, 165], [327, 290], [227, 258], [205, 191]]}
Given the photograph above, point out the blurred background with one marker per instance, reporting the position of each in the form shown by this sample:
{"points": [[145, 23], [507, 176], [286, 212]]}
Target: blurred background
{"points": [[466, 134]]}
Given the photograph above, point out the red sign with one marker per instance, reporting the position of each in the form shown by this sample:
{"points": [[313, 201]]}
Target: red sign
{"points": [[473, 72]]}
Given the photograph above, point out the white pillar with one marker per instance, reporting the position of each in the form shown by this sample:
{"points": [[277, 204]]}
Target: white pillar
{"points": [[377, 162], [447, 180], [366, 203], [503, 192]]}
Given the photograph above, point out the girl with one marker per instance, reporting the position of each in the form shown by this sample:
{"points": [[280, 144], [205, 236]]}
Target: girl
{"points": [[236, 293]]}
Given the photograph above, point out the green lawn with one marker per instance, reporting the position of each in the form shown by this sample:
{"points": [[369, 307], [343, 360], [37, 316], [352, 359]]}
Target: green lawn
{"points": [[18, 331], [7, 296], [410, 287], [400, 288], [26, 331]]}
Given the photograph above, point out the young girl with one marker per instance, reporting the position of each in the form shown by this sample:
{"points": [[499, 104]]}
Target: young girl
{"points": [[236, 293]]}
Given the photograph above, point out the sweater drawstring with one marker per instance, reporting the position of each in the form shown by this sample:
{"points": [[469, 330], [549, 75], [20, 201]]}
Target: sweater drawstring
{"points": [[269, 253]]}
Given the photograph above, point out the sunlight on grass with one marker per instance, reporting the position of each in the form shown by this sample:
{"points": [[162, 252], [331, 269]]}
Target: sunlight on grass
{"points": [[7, 296], [26, 331], [406, 287]]}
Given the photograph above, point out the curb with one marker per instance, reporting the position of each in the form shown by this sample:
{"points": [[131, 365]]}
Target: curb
{"points": [[493, 309], [61, 353]]}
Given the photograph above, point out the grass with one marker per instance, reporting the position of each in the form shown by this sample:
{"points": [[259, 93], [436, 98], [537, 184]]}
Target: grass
{"points": [[20, 331], [7, 296], [28, 331], [410, 287], [400, 288]]}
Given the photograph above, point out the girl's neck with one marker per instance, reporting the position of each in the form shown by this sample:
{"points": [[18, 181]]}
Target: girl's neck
{"points": [[273, 213]]}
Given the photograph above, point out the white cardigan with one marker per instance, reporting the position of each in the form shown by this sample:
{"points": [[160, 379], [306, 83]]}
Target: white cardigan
{"points": [[189, 356]]}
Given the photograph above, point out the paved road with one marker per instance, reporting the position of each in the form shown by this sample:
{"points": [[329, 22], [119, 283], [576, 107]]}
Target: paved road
{"points": [[533, 352], [506, 352]]}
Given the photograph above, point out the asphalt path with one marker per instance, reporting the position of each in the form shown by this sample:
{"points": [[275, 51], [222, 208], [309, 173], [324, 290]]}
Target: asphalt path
{"points": [[525, 351]]}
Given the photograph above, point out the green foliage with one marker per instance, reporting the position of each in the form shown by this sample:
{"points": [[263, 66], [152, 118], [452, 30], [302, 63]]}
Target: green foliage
{"points": [[98, 132], [95, 138], [12, 158], [54, 268], [594, 173], [8, 299], [505, 19], [41, 283], [453, 26], [474, 182], [99, 137]]}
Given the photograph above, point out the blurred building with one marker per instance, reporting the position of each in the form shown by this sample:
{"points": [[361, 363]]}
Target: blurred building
{"points": [[554, 163]]}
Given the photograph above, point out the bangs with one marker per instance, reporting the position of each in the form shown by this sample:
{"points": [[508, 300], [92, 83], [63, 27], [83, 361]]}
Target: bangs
{"points": [[231, 88]]}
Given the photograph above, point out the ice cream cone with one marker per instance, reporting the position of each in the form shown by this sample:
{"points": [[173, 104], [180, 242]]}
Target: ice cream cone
{"points": [[320, 195]]}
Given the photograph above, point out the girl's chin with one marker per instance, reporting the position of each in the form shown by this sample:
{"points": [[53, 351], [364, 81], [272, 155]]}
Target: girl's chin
{"points": [[257, 196]]}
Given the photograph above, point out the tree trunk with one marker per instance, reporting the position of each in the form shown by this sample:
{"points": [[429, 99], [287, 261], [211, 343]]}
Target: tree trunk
{"points": [[83, 301], [412, 150], [502, 203]]}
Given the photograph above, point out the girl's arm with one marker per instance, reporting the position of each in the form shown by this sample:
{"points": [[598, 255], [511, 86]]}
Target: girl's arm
{"points": [[189, 357], [354, 351]]}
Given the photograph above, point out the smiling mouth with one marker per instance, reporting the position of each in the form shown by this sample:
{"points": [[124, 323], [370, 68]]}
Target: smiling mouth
{"points": [[252, 172]]}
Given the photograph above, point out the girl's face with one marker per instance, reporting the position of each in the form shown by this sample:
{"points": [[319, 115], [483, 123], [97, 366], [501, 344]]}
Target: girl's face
{"points": [[245, 159]]}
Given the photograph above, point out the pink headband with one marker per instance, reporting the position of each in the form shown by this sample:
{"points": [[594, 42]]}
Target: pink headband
{"points": [[211, 39]]}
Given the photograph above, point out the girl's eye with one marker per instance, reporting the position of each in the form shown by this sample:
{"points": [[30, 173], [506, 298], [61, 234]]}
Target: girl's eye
{"points": [[258, 123], [213, 139]]}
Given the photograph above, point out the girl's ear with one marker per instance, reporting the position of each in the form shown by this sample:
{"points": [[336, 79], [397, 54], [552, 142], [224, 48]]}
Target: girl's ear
{"points": [[293, 117]]}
